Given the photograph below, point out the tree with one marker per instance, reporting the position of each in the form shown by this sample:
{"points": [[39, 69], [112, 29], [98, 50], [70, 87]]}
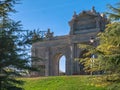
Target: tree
{"points": [[106, 54], [110, 47], [108, 51], [114, 13], [89, 58], [13, 40]]}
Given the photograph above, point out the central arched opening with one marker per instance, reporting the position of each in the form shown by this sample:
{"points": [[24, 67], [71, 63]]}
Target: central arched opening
{"points": [[62, 65]]}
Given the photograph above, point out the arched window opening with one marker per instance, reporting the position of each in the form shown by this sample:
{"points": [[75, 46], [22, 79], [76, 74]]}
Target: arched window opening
{"points": [[62, 65]]}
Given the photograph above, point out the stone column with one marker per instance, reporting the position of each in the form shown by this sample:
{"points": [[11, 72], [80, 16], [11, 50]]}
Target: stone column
{"points": [[69, 60], [50, 61], [47, 62], [74, 56]]}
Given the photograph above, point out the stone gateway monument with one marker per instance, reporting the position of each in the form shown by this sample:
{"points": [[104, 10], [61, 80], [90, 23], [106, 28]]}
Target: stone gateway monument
{"points": [[82, 26]]}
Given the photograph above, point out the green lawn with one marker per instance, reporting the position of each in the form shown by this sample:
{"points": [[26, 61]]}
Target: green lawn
{"points": [[64, 83]]}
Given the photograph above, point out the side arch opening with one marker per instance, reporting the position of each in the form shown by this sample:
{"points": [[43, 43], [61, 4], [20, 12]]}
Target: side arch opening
{"points": [[62, 65]]}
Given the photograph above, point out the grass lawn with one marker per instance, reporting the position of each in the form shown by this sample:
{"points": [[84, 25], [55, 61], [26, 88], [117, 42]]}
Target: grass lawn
{"points": [[64, 83]]}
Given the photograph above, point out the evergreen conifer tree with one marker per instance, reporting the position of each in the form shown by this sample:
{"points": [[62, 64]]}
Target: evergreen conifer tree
{"points": [[13, 55]]}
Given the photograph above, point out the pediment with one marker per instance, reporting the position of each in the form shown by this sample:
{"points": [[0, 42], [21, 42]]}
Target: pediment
{"points": [[87, 21]]}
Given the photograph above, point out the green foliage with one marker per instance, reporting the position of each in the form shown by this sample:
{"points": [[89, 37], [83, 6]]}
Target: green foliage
{"points": [[110, 46], [14, 58], [6, 6], [108, 51], [89, 58], [114, 86], [110, 43], [114, 13], [33, 36]]}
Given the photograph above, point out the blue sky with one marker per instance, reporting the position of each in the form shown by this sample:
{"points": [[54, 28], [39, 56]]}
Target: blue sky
{"points": [[54, 14]]}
